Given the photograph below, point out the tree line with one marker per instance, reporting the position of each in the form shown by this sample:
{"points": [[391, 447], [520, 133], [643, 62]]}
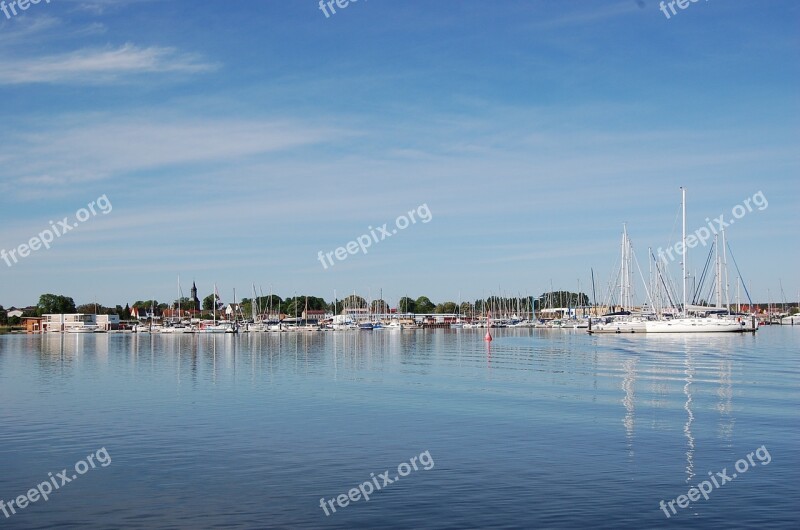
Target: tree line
{"points": [[295, 305]]}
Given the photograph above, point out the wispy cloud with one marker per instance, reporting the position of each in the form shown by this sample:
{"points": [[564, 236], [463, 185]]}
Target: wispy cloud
{"points": [[589, 15], [101, 7], [24, 28], [72, 151], [100, 66]]}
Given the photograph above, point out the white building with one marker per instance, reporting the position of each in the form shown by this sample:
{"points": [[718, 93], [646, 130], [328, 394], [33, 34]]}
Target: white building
{"points": [[76, 321]]}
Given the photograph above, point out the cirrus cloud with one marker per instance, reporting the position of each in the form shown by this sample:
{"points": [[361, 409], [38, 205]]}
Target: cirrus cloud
{"points": [[100, 66]]}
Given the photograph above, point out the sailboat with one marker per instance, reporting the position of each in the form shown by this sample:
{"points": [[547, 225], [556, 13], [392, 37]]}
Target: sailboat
{"points": [[791, 320], [686, 323], [215, 327], [622, 321], [177, 323]]}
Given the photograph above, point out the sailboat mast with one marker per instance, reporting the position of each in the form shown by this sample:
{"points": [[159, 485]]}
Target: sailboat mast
{"points": [[255, 310], [622, 271], [725, 269], [718, 263], [738, 294], [683, 250]]}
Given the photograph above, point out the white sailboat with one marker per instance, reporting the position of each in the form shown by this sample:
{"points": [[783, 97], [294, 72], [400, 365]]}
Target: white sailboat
{"points": [[622, 321], [686, 323], [86, 328], [215, 327], [792, 320]]}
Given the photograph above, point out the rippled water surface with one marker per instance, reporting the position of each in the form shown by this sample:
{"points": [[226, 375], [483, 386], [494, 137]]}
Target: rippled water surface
{"points": [[542, 429]]}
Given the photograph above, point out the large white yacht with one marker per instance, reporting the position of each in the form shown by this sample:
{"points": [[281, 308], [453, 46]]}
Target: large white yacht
{"points": [[695, 324]]}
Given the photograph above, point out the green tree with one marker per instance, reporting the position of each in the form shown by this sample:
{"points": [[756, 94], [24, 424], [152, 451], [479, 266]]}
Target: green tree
{"points": [[93, 308], [407, 305], [447, 307], [379, 306], [146, 304], [424, 305], [208, 302], [272, 302], [562, 299], [263, 305], [298, 304], [3, 316], [55, 304], [354, 302], [186, 303], [246, 306], [480, 307]]}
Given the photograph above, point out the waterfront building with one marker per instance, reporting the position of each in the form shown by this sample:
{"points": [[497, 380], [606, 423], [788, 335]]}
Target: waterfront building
{"points": [[78, 321]]}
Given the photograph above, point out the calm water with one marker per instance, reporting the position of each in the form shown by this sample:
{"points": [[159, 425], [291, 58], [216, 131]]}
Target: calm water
{"points": [[548, 429]]}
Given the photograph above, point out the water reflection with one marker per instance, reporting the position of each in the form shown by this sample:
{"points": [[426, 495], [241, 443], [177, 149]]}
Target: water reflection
{"points": [[563, 364], [629, 387], [687, 427], [725, 404]]}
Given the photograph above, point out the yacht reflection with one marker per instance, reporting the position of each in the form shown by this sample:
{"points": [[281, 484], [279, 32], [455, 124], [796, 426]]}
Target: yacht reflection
{"points": [[725, 405], [714, 369], [687, 427], [629, 387]]}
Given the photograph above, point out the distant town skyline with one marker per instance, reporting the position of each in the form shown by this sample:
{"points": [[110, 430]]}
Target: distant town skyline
{"points": [[237, 143]]}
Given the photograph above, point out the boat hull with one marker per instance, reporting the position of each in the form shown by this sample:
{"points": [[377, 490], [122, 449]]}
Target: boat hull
{"points": [[620, 327], [695, 325]]}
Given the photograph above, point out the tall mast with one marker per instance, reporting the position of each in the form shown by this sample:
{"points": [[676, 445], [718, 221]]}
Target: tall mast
{"points": [[718, 263], [255, 310], [622, 271], [725, 269], [650, 274], [683, 252], [738, 300]]}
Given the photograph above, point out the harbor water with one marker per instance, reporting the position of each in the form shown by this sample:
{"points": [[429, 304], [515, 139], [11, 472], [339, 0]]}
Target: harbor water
{"points": [[537, 429]]}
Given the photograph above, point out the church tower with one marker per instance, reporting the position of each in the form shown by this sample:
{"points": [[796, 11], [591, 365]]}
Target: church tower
{"points": [[194, 297]]}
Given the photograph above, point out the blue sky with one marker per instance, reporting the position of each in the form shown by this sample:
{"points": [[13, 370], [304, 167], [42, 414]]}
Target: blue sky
{"points": [[236, 140]]}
